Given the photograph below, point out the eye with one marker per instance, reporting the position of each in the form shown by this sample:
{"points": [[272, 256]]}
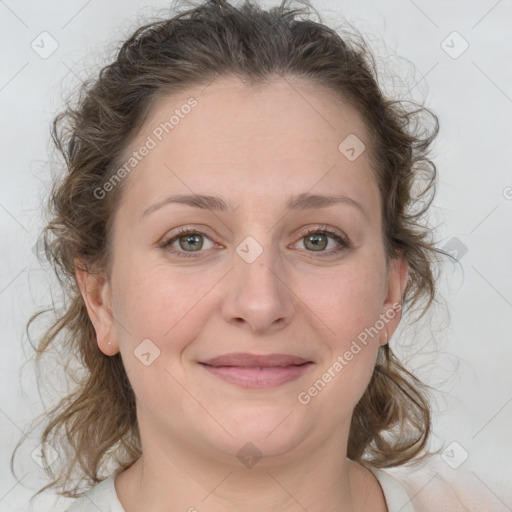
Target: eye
{"points": [[318, 240], [188, 240]]}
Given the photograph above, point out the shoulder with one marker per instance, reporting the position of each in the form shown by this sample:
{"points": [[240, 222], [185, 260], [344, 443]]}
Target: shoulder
{"points": [[101, 497], [397, 499]]}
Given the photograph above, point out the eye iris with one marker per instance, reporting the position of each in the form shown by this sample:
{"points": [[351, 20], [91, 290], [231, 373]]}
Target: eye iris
{"points": [[319, 241], [195, 242]]}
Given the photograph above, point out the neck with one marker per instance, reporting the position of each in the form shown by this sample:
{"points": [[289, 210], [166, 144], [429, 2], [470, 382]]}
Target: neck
{"points": [[313, 480]]}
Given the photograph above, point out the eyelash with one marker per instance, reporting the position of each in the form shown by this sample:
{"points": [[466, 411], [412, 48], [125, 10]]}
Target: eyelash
{"points": [[342, 241]]}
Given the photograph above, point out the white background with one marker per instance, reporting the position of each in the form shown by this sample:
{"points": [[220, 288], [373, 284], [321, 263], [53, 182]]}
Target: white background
{"points": [[466, 350]]}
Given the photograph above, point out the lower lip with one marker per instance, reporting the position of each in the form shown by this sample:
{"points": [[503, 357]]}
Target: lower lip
{"points": [[258, 377]]}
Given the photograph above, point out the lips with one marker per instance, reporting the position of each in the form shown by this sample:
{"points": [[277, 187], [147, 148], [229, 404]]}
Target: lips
{"points": [[252, 371], [253, 361]]}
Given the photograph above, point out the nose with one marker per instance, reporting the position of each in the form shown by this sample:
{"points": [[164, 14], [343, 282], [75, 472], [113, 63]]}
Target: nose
{"points": [[258, 295]]}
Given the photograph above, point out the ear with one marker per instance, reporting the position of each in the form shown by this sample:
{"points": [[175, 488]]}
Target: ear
{"points": [[392, 307], [96, 292]]}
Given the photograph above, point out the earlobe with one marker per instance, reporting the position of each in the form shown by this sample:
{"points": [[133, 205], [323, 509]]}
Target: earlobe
{"points": [[96, 293]]}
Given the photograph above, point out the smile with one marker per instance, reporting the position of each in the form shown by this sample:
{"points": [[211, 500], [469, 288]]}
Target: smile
{"points": [[250, 371]]}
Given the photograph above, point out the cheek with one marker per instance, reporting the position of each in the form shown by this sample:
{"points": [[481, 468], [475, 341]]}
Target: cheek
{"points": [[164, 305], [347, 304], [346, 301], [158, 315]]}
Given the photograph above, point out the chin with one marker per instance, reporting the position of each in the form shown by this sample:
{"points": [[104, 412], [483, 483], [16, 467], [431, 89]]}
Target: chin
{"points": [[268, 431]]}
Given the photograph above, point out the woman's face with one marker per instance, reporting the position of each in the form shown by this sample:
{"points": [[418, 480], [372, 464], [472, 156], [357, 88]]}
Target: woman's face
{"points": [[266, 269]]}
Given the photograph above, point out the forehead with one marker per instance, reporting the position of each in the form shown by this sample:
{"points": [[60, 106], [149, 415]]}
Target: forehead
{"points": [[282, 134], [231, 112]]}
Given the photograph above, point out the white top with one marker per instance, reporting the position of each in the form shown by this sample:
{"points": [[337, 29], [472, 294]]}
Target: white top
{"points": [[103, 496]]}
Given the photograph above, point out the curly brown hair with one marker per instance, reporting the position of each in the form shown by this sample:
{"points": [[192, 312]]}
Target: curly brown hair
{"points": [[96, 422]]}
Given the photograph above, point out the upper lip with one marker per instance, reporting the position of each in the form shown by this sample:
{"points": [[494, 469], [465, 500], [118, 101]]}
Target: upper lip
{"points": [[253, 361]]}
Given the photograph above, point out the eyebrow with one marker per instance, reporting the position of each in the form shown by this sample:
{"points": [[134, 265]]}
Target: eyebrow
{"points": [[304, 201]]}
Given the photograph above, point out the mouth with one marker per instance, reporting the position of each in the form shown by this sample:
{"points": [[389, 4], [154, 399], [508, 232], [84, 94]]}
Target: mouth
{"points": [[252, 371]]}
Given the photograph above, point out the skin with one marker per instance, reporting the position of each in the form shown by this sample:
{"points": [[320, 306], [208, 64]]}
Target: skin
{"points": [[256, 148]]}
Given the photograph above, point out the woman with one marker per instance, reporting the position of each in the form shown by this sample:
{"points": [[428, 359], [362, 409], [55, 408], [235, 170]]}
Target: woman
{"points": [[239, 237]]}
